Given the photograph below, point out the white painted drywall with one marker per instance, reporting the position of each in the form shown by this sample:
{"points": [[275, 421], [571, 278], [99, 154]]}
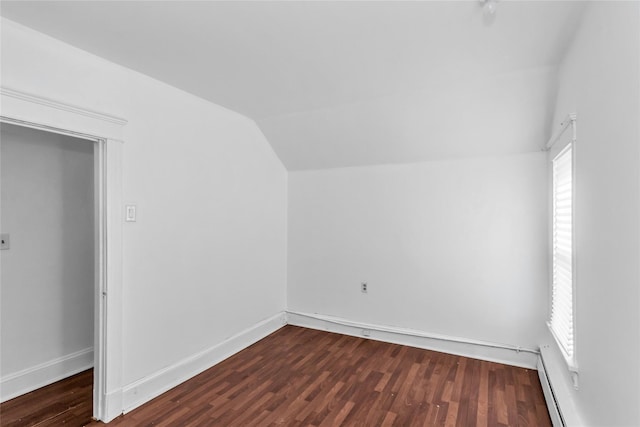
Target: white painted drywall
{"points": [[47, 281], [207, 257], [449, 247], [600, 81]]}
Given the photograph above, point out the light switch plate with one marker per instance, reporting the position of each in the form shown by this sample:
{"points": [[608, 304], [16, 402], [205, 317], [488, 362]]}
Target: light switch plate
{"points": [[5, 241], [130, 213]]}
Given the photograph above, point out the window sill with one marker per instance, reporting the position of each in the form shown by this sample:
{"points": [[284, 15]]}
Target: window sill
{"points": [[570, 361]]}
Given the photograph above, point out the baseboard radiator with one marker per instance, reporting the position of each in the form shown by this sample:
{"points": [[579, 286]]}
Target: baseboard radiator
{"points": [[555, 412]]}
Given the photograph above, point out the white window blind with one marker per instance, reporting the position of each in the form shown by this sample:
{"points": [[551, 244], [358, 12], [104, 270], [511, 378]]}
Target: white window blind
{"points": [[561, 321]]}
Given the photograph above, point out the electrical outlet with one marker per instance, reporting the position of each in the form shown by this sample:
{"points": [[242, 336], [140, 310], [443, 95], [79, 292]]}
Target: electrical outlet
{"points": [[5, 241], [366, 332], [363, 287]]}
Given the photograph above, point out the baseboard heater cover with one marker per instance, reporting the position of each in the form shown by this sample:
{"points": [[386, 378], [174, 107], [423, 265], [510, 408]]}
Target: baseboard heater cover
{"points": [[555, 413]]}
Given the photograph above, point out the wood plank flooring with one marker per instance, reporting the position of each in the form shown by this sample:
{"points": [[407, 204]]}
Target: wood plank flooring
{"points": [[304, 377], [68, 402]]}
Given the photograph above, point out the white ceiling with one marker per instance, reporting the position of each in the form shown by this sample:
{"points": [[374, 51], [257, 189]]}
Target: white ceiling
{"points": [[343, 83]]}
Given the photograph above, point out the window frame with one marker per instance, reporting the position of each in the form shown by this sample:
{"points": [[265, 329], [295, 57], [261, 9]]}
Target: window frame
{"points": [[556, 146]]}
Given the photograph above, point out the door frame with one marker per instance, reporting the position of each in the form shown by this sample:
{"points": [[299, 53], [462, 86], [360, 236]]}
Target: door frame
{"points": [[106, 133]]}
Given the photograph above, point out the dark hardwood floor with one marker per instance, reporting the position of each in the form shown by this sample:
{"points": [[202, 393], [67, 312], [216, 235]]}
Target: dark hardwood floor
{"points": [[304, 377], [67, 402]]}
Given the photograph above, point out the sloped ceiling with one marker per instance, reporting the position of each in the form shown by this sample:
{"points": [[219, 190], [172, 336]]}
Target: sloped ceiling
{"points": [[336, 84]]}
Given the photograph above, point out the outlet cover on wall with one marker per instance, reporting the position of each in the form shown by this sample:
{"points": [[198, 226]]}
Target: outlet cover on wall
{"points": [[5, 241], [363, 287]]}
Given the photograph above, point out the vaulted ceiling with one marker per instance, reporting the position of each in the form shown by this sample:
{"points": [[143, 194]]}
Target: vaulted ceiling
{"points": [[336, 84]]}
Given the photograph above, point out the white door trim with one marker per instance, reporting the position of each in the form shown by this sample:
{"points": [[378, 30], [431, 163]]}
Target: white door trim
{"points": [[106, 131]]}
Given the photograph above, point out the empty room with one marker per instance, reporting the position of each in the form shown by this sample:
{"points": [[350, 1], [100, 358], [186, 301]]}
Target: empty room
{"points": [[320, 213]]}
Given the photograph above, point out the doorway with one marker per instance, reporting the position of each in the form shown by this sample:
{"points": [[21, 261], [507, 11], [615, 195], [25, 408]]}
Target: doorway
{"points": [[48, 219], [106, 132]]}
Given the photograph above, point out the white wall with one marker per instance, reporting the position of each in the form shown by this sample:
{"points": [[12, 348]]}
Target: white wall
{"points": [[600, 81], [450, 247], [47, 282], [207, 257]]}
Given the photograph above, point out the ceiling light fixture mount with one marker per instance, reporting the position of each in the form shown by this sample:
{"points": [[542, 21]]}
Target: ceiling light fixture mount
{"points": [[489, 7]]}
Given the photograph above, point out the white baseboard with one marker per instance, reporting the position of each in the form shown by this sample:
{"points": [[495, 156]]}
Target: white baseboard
{"points": [[509, 355], [27, 380], [147, 388], [112, 406]]}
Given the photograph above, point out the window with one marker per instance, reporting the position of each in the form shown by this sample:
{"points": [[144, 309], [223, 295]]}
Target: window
{"points": [[561, 321]]}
